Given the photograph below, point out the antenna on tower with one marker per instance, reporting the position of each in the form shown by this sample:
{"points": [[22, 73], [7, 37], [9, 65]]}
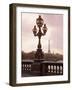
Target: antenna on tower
{"points": [[49, 47]]}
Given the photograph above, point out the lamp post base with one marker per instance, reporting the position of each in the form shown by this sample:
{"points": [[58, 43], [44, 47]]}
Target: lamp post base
{"points": [[37, 65], [39, 54]]}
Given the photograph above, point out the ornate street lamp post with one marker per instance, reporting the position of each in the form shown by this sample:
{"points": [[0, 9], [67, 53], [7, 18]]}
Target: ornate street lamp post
{"points": [[39, 21]]}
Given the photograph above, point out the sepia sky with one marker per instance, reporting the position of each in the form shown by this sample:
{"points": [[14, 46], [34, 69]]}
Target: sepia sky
{"points": [[54, 33]]}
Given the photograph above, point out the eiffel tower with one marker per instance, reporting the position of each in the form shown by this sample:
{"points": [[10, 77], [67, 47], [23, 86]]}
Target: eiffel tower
{"points": [[49, 47]]}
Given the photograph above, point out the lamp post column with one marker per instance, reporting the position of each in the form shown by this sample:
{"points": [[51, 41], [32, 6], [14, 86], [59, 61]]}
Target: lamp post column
{"points": [[39, 21]]}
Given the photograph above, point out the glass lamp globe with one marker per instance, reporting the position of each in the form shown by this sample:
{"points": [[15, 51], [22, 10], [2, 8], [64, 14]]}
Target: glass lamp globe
{"points": [[34, 30], [44, 28], [39, 21]]}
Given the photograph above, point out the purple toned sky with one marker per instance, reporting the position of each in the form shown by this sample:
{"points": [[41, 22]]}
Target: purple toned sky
{"points": [[54, 34]]}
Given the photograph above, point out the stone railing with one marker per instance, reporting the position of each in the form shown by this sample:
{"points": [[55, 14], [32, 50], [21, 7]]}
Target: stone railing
{"points": [[52, 68], [42, 68]]}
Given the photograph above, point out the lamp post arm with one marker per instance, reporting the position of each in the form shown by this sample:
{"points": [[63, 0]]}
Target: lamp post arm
{"points": [[43, 34], [35, 35]]}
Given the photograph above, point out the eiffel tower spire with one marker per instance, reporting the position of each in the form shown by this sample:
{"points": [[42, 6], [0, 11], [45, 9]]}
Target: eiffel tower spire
{"points": [[49, 46]]}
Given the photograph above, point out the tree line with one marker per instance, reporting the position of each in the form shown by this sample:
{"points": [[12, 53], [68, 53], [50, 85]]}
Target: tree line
{"points": [[47, 56]]}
